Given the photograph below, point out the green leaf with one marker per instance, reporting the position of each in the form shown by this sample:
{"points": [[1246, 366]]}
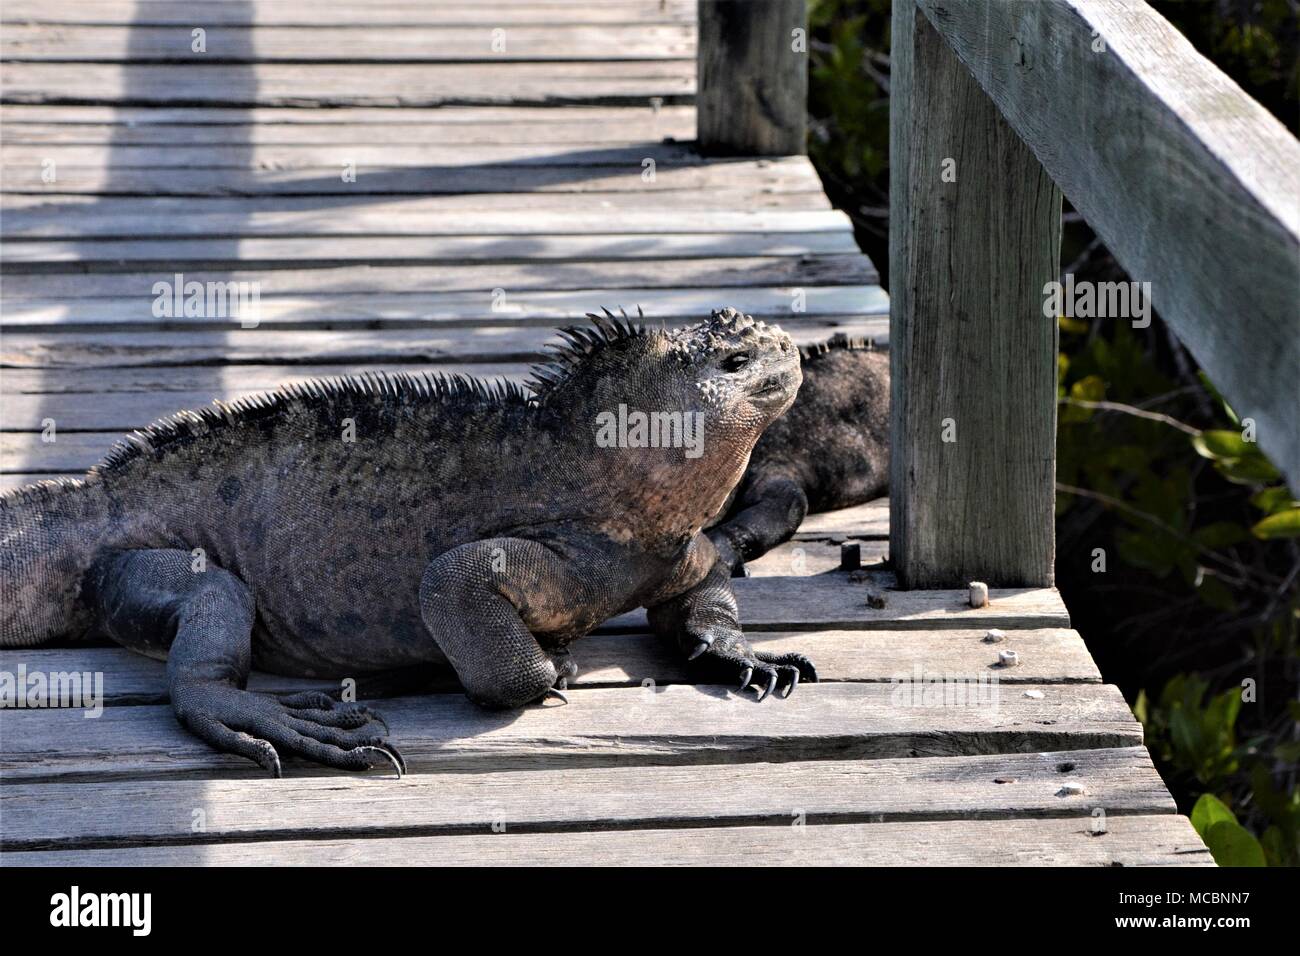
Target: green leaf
{"points": [[1220, 443], [1274, 844], [1284, 524], [1142, 708], [1208, 811], [1251, 470], [1075, 326], [1275, 499], [1231, 844], [1090, 388]]}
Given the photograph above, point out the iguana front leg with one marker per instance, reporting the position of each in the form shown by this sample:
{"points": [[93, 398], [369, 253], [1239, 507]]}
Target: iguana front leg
{"points": [[773, 511], [703, 620], [152, 601], [483, 601]]}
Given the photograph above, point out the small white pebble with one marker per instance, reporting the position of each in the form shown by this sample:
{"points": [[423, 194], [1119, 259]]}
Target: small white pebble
{"points": [[1071, 789], [1035, 694], [1008, 658], [979, 594], [995, 636]]}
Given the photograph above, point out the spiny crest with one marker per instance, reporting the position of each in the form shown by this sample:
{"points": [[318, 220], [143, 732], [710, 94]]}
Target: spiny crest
{"points": [[38, 493], [580, 344], [837, 342], [395, 389], [723, 330]]}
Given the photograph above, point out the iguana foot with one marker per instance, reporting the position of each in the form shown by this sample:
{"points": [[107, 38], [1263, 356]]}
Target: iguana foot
{"points": [[311, 725], [763, 671]]}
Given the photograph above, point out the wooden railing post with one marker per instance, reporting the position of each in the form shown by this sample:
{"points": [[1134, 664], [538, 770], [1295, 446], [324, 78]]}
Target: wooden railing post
{"points": [[974, 237], [753, 77]]}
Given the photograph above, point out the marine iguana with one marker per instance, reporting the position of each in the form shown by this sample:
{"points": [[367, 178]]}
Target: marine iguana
{"points": [[830, 450], [373, 523]]}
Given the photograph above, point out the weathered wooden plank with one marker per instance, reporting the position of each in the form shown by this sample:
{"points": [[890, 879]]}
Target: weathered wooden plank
{"points": [[143, 218], [1157, 840], [135, 219], [501, 42], [251, 120], [719, 197], [787, 175], [609, 274], [364, 155], [1195, 191], [638, 126], [663, 725], [345, 84], [310, 252], [1134, 841], [834, 601], [1122, 781], [214, 381], [869, 520], [753, 76], [372, 13], [123, 411], [263, 346], [418, 309], [973, 358], [1048, 656]]}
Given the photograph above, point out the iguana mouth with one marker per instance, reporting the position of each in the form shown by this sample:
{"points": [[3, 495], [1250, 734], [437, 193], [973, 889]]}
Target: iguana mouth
{"points": [[773, 385]]}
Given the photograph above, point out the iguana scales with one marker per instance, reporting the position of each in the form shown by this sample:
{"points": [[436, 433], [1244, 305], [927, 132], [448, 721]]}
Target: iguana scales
{"points": [[355, 525]]}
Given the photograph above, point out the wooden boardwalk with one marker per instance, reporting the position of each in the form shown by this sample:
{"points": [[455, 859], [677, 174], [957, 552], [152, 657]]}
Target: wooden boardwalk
{"points": [[405, 196]]}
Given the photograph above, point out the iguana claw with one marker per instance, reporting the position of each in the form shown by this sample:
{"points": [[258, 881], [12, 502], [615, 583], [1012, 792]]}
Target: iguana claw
{"points": [[764, 672], [390, 752], [699, 649], [554, 692]]}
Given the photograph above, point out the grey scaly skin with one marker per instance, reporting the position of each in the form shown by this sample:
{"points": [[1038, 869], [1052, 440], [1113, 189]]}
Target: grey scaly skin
{"points": [[830, 450], [465, 524]]}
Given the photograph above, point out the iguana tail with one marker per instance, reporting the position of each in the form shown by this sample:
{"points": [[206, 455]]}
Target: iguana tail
{"points": [[50, 533]]}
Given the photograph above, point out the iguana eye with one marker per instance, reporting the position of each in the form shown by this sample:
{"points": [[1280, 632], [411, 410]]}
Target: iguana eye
{"points": [[734, 363]]}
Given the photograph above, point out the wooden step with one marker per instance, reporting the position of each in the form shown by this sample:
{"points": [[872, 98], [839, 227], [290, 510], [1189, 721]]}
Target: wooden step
{"points": [[1159, 840], [1048, 656], [1121, 781], [652, 725]]}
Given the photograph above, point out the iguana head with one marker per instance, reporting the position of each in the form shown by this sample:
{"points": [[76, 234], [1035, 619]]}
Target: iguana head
{"points": [[671, 416]]}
